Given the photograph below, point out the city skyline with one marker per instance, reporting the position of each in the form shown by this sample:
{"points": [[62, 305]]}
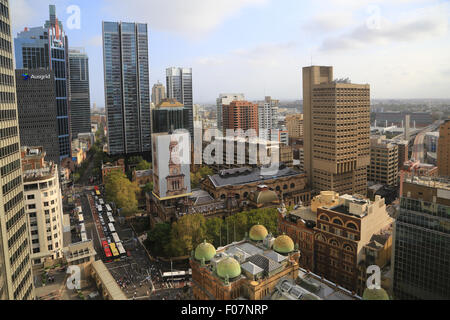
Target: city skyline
{"points": [[267, 43]]}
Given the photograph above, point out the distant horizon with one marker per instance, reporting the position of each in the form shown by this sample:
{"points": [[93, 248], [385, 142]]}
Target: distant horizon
{"points": [[258, 47]]}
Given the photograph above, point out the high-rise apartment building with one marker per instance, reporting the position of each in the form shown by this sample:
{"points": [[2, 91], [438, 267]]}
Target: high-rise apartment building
{"points": [[240, 115], [443, 150], [37, 110], [268, 114], [294, 124], [127, 88], [383, 161], [179, 87], [43, 205], [336, 132], [47, 48], [158, 93], [16, 279], [421, 256], [225, 100], [80, 101]]}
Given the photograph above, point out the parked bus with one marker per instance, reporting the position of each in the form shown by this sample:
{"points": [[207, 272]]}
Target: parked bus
{"points": [[108, 208], [107, 251], [84, 237], [111, 227], [80, 218], [121, 249], [82, 228], [115, 237], [99, 209], [114, 251], [97, 193], [177, 275], [111, 219], [101, 201]]}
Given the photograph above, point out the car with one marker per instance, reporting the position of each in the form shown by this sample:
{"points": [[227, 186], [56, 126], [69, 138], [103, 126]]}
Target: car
{"points": [[105, 230]]}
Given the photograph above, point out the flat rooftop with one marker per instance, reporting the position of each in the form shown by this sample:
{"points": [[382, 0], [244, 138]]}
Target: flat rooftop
{"points": [[432, 182]]}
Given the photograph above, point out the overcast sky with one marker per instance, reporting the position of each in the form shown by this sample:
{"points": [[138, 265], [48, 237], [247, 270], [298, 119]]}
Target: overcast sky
{"points": [[258, 47]]}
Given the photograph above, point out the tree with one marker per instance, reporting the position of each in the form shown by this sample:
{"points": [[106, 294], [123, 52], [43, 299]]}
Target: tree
{"points": [[201, 174], [213, 231], [122, 192], [186, 234], [158, 239], [143, 165], [148, 187]]}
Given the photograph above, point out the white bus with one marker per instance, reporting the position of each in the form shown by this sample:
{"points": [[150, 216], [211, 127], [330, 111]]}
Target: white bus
{"points": [[108, 208], [116, 238], [99, 209], [84, 237], [111, 228], [79, 210], [81, 218], [121, 249], [111, 219], [82, 228], [101, 201]]}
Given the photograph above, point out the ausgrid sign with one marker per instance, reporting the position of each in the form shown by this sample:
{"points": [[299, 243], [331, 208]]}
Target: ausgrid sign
{"points": [[40, 77]]}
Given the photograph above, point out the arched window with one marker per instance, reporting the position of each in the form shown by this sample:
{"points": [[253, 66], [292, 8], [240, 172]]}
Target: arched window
{"points": [[334, 243], [285, 187], [292, 185], [237, 196], [324, 218], [245, 195], [348, 248], [338, 222], [278, 188], [222, 196], [351, 225]]}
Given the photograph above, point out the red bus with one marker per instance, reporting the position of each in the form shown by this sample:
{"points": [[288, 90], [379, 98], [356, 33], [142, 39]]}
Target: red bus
{"points": [[95, 187], [107, 251]]}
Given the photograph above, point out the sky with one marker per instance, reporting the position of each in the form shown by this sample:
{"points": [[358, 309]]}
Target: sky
{"points": [[259, 47]]}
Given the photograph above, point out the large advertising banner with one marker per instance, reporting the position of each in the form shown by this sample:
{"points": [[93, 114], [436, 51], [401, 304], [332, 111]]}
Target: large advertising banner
{"points": [[171, 165]]}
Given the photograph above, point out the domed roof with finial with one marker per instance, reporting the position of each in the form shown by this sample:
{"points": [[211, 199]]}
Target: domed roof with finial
{"points": [[375, 294], [228, 267], [283, 244], [205, 251], [258, 233]]}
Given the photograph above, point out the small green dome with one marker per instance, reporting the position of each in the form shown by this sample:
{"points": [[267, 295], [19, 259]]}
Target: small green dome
{"points": [[228, 267], [283, 244], [258, 233], [205, 250], [375, 294]]}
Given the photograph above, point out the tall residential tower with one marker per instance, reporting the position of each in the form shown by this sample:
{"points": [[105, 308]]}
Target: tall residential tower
{"points": [[127, 88], [179, 87]]}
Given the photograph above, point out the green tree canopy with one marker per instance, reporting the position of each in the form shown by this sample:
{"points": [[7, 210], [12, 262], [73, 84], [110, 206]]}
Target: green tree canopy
{"points": [[143, 165], [186, 234], [122, 192], [158, 239], [202, 173]]}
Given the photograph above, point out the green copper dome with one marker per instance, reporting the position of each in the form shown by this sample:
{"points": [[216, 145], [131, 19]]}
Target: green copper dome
{"points": [[228, 267], [375, 294], [205, 250], [283, 244], [258, 233]]}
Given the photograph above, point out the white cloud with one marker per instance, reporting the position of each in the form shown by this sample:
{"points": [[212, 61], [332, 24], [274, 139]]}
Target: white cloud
{"points": [[193, 18], [408, 27], [95, 41], [330, 21]]}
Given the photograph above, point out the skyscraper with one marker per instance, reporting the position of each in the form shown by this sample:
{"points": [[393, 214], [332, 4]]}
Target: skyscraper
{"points": [[47, 48], [158, 93], [80, 102], [37, 111], [267, 114], [179, 87], [127, 88], [336, 132], [16, 280], [225, 100], [421, 252]]}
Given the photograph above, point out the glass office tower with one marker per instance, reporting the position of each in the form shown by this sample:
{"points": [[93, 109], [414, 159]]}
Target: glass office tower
{"points": [[80, 102], [127, 88], [47, 48]]}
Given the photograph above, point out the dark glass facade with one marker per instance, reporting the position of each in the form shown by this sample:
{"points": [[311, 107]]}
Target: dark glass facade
{"points": [[165, 120], [422, 251], [80, 103], [127, 88], [47, 48]]}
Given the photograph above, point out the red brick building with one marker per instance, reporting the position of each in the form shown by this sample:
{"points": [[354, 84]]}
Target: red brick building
{"points": [[240, 115]]}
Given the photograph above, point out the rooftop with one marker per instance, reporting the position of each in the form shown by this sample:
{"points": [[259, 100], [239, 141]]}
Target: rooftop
{"points": [[169, 103], [432, 182], [143, 173], [40, 174], [240, 176]]}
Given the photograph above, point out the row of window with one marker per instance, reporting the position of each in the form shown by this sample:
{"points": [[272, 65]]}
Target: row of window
{"points": [[6, 115], [6, 79], [16, 235], [6, 62], [5, 28], [8, 132], [20, 268], [11, 185], [5, 45], [13, 202], [18, 252], [4, 11], [11, 222], [22, 284], [9, 150], [10, 167]]}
